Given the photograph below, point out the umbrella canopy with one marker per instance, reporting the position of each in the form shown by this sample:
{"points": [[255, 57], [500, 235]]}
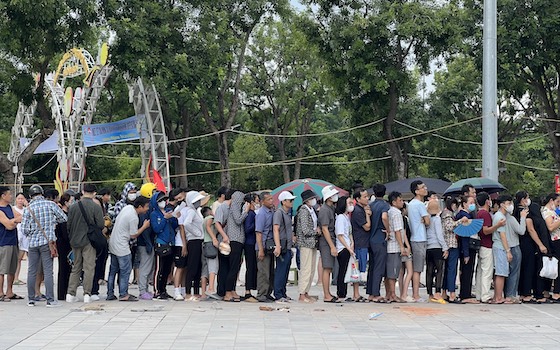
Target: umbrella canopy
{"points": [[298, 186], [479, 184], [403, 186]]}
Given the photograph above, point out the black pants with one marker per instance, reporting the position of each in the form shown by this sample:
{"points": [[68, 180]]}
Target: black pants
{"points": [[556, 253], [234, 265], [528, 273], [251, 265], [341, 287], [434, 268], [467, 275], [100, 264], [376, 269], [194, 266], [163, 268], [64, 270], [223, 271]]}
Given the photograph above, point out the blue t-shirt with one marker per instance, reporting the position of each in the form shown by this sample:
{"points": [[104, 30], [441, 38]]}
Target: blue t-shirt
{"points": [[8, 237], [416, 212], [263, 224], [378, 207]]}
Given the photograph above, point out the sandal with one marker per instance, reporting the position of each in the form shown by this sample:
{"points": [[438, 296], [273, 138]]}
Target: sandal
{"points": [[14, 297], [333, 300], [360, 299], [4, 298], [379, 301], [129, 298]]}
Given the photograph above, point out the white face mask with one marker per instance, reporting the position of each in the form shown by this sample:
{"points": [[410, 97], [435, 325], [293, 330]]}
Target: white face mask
{"points": [[257, 206], [349, 208], [312, 202], [161, 204], [132, 196], [334, 198], [528, 201], [509, 209]]}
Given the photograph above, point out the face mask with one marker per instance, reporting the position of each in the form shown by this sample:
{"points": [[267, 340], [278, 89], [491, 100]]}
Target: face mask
{"points": [[509, 209], [472, 207], [528, 201], [257, 206], [313, 202], [349, 208], [334, 198], [132, 196], [161, 204]]}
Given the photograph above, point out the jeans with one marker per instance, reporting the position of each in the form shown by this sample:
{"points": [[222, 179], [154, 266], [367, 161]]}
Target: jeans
{"points": [[283, 263], [512, 282], [362, 256], [36, 255], [451, 270], [121, 265]]}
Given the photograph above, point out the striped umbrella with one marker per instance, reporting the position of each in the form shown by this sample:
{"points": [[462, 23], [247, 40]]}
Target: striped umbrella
{"points": [[298, 186]]}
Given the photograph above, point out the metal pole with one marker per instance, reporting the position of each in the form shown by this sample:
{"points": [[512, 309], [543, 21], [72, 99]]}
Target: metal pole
{"points": [[489, 93]]}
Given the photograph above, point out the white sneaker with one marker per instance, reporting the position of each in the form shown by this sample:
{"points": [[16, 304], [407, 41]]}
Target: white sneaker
{"points": [[71, 298], [178, 297], [94, 297], [87, 299]]}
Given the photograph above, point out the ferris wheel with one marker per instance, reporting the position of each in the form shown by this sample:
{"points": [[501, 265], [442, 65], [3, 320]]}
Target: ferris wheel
{"points": [[72, 108]]}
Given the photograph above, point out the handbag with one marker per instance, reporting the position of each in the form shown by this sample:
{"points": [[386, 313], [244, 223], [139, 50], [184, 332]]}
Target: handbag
{"points": [[474, 244], [209, 250], [163, 250], [549, 268], [352, 272], [270, 245], [70, 258], [95, 234], [52, 244]]}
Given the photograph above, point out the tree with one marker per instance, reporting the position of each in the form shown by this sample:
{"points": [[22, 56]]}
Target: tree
{"points": [[284, 87], [32, 35], [371, 47]]}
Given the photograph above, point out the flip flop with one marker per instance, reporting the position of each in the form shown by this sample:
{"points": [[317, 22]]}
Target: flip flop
{"points": [[130, 298], [379, 301], [359, 300], [15, 297], [333, 300], [456, 301], [4, 299]]}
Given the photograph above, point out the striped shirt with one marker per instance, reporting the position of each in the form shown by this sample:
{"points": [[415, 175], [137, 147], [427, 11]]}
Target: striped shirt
{"points": [[396, 223], [48, 214]]}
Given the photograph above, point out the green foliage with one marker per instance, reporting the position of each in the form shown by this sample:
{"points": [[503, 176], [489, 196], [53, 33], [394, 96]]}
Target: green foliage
{"points": [[251, 149]]}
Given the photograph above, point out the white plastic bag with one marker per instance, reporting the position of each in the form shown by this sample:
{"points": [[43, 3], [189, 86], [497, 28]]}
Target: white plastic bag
{"points": [[549, 268], [352, 272]]}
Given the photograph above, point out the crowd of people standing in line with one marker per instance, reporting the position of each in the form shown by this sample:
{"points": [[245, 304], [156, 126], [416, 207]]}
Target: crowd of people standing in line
{"points": [[175, 238]]}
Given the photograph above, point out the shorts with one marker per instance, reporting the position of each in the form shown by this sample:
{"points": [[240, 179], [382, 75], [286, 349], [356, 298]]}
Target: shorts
{"points": [[180, 261], [393, 265], [208, 266], [8, 259], [501, 264], [418, 255], [406, 258], [23, 242], [326, 258]]}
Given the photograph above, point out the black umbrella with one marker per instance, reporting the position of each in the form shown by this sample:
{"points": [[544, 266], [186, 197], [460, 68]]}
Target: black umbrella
{"points": [[479, 184]]}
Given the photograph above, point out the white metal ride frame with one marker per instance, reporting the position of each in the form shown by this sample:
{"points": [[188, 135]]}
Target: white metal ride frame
{"points": [[71, 152], [153, 138]]}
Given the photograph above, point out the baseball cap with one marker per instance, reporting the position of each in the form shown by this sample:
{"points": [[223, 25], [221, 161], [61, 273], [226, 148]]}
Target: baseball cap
{"points": [[328, 192], [285, 195]]}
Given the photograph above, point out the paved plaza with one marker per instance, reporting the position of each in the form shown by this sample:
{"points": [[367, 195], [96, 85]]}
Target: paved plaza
{"points": [[224, 325]]}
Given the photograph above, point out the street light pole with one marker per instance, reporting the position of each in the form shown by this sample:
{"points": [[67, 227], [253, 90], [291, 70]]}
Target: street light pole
{"points": [[489, 93]]}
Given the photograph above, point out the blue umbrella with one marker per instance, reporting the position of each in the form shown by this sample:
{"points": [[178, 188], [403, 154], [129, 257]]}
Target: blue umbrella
{"points": [[469, 228]]}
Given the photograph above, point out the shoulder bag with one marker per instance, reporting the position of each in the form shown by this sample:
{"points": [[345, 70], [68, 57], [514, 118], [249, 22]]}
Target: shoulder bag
{"points": [[95, 234]]}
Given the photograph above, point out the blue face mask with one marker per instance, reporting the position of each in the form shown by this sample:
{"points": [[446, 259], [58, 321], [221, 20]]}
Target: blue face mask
{"points": [[472, 207]]}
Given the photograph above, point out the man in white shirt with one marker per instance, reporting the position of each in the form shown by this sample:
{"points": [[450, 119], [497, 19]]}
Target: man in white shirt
{"points": [[125, 228]]}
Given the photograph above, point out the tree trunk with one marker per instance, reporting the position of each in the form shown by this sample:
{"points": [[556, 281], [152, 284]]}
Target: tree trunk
{"points": [[281, 145], [395, 151], [224, 159], [181, 165]]}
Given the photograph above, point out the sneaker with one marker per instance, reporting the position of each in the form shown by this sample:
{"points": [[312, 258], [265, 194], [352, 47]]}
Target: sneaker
{"points": [[53, 303], [70, 298], [146, 296], [41, 297], [178, 297], [87, 298], [31, 303], [282, 301], [111, 297], [94, 297], [162, 296]]}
